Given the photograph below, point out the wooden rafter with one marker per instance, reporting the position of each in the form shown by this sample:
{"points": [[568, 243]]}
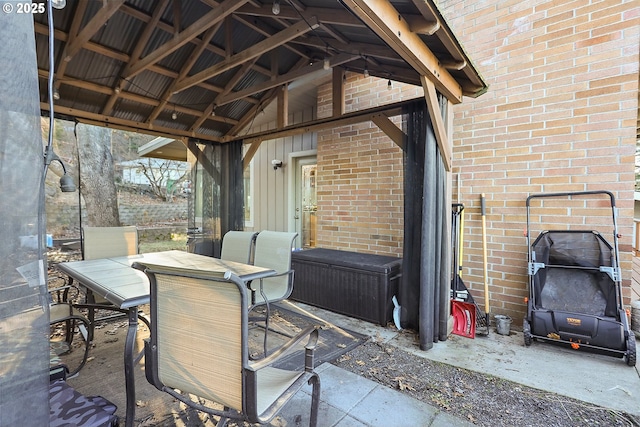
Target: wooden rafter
{"points": [[284, 78], [396, 32], [209, 112], [162, 47], [137, 51], [96, 22], [73, 33], [189, 63], [254, 51], [209, 20], [444, 145]]}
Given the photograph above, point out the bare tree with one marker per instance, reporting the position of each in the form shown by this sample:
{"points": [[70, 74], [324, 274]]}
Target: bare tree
{"points": [[164, 177], [97, 176]]}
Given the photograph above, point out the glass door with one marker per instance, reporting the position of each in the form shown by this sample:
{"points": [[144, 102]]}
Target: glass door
{"points": [[306, 201]]}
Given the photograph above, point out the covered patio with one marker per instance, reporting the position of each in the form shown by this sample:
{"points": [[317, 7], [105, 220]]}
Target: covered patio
{"points": [[200, 72]]}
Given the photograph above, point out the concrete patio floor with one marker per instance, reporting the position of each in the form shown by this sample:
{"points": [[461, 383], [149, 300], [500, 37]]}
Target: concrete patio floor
{"points": [[600, 380], [350, 400]]}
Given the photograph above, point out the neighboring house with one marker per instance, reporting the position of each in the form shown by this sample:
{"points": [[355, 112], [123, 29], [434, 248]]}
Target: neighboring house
{"points": [[161, 171]]}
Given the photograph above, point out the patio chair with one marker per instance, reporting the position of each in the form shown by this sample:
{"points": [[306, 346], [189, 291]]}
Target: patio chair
{"points": [[238, 246], [273, 250], [107, 242], [61, 312], [199, 345]]}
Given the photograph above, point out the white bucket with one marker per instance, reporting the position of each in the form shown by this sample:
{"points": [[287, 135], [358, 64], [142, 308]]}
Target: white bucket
{"points": [[503, 324]]}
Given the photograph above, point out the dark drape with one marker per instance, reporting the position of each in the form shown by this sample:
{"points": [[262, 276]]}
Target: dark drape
{"points": [[424, 288], [217, 202]]}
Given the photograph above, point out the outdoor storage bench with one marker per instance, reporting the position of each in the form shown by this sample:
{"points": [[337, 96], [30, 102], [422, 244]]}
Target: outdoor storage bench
{"points": [[350, 283]]}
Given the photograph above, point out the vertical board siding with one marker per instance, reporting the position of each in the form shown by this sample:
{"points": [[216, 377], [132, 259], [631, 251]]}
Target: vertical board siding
{"points": [[271, 188]]}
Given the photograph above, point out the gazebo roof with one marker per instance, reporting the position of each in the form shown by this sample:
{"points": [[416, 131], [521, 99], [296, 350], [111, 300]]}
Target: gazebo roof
{"points": [[204, 69]]}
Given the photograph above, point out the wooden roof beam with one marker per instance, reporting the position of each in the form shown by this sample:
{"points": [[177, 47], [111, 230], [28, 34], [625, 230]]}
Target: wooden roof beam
{"points": [[207, 21], [284, 78], [254, 51], [442, 140], [92, 27], [384, 20], [137, 51], [195, 54], [210, 111]]}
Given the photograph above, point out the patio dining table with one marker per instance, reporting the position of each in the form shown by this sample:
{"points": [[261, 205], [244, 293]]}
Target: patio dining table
{"points": [[128, 288]]}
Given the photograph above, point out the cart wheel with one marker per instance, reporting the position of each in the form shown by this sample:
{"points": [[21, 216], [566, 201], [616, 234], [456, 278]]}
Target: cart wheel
{"points": [[631, 349], [526, 330]]}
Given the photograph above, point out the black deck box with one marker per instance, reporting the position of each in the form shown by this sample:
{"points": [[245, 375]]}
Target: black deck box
{"points": [[350, 283]]}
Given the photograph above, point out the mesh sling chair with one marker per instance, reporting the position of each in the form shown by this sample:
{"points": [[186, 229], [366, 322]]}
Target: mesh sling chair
{"points": [[64, 313], [107, 242], [199, 345], [238, 246], [273, 250]]}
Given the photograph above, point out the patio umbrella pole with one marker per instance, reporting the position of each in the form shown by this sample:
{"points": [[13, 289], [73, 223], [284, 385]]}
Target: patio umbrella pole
{"points": [[483, 210]]}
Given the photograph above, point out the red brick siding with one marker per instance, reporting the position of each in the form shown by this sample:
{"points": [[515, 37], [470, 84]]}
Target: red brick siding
{"points": [[360, 178], [560, 115]]}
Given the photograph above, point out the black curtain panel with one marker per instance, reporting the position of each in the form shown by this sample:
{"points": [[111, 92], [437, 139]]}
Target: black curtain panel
{"points": [[216, 204], [423, 292]]}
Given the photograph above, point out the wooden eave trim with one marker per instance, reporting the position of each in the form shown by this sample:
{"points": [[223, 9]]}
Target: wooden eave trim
{"points": [[384, 20]]}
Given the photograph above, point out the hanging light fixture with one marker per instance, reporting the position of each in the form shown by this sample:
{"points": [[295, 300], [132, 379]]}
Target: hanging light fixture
{"points": [[174, 115], [326, 65], [389, 84], [58, 4], [276, 7], [56, 94], [366, 69]]}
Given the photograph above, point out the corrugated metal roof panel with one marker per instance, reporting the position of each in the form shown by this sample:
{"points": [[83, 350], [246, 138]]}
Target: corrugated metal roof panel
{"points": [[95, 69]]}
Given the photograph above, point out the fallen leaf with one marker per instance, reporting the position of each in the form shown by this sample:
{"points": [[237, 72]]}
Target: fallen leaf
{"points": [[360, 363], [403, 385]]}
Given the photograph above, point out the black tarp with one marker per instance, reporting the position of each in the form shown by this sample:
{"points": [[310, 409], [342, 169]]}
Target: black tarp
{"points": [[423, 293]]}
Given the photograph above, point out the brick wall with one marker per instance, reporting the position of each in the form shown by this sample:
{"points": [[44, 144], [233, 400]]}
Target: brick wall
{"points": [[560, 115], [360, 179]]}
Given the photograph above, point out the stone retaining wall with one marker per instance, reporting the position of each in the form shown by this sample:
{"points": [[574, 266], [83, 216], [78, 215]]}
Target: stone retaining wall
{"points": [[64, 217]]}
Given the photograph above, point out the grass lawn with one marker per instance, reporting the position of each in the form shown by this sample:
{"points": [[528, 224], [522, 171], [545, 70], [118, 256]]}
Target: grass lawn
{"points": [[178, 241]]}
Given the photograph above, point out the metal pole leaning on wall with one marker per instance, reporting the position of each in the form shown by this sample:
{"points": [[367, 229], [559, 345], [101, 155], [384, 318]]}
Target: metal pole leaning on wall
{"points": [[483, 211]]}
